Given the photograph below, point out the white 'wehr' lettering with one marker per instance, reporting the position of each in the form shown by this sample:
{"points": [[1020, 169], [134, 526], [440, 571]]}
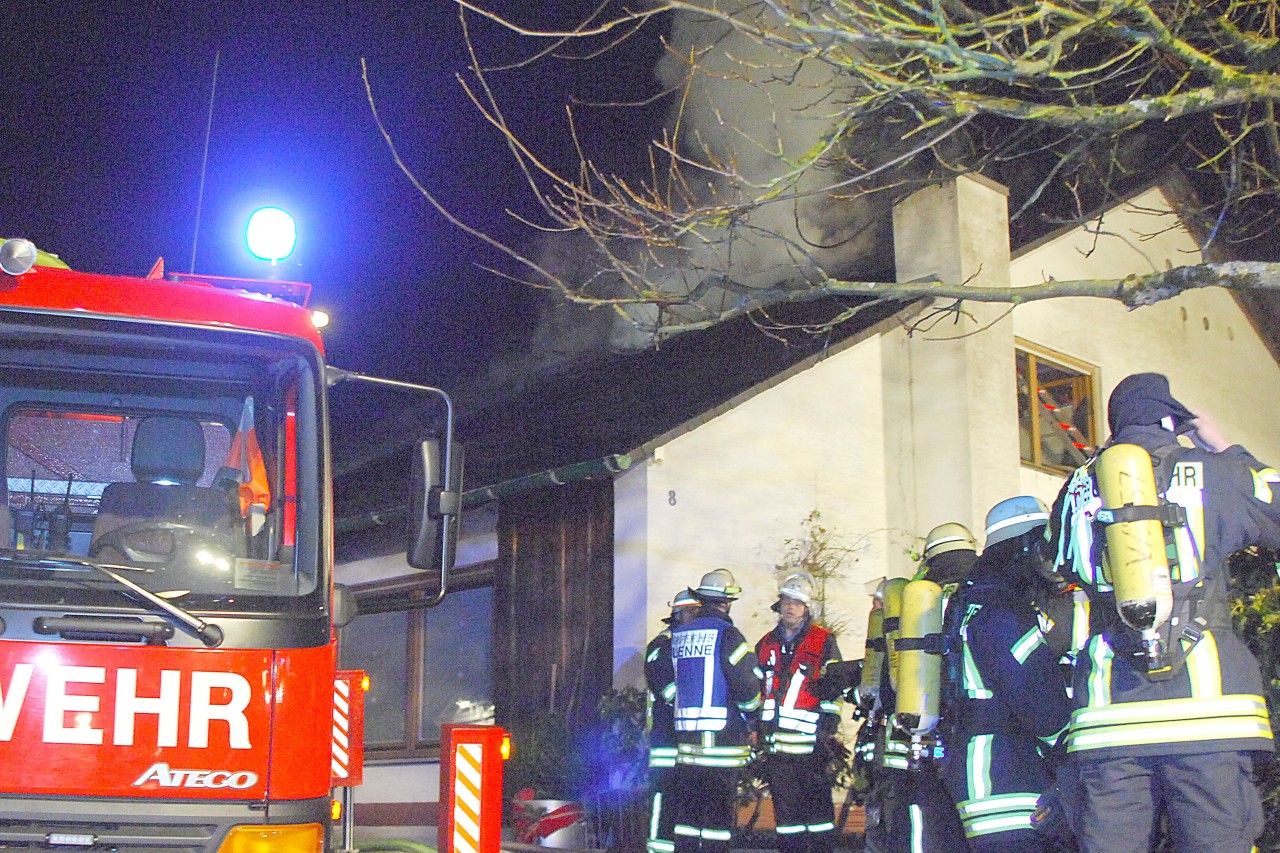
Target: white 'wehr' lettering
{"points": [[70, 711]]}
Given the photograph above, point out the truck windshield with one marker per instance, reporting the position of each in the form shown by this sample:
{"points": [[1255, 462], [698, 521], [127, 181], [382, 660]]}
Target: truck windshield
{"points": [[183, 461]]}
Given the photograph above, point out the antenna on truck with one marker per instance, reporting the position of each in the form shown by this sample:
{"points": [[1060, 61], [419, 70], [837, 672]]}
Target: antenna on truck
{"points": [[204, 161]]}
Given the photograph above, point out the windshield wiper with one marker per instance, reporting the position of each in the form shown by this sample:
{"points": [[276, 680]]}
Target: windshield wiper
{"points": [[209, 634]]}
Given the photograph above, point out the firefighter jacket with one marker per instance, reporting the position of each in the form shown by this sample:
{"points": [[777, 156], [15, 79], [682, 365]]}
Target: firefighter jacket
{"points": [[660, 679], [1007, 707], [717, 696], [1213, 700], [794, 719], [1065, 619]]}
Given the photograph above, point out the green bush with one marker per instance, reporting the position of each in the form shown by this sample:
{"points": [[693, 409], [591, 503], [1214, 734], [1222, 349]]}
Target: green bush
{"points": [[621, 747], [1255, 605], [559, 762], [544, 758]]}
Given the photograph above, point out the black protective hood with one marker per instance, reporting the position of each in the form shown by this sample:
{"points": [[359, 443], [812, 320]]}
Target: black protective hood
{"points": [[1144, 399]]}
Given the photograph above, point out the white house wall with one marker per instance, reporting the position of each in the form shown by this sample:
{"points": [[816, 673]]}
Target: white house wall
{"points": [[635, 599], [732, 492]]}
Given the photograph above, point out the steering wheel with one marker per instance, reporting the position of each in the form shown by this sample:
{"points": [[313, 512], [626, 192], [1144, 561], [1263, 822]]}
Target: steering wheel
{"points": [[178, 536]]}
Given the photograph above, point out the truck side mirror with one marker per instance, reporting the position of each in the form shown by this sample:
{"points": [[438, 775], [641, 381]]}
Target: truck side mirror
{"points": [[435, 507], [345, 606]]}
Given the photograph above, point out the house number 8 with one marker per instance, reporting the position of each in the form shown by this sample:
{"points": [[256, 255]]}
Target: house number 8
{"points": [[671, 498]]}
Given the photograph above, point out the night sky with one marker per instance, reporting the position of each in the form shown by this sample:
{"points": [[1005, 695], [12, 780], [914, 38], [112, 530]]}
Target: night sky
{"points": [[105, 127]]}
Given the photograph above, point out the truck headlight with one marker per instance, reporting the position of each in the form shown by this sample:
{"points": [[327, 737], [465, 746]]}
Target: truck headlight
{"points": [[286, 838]]}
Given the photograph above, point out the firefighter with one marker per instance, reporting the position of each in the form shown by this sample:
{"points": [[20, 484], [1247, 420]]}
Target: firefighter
{"points": [[868, 712], [1169, 702], [660, 679], [1008, 706], [880, 752], [923, 808], [717, 711], [797, 727], [909, 810]]}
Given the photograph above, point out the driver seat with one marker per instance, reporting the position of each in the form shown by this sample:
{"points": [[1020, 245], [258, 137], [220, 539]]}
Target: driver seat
{"points": [[167, 461]]}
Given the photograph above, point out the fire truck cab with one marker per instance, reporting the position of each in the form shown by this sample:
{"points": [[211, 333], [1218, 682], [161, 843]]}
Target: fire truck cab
{"points": [[167, 608]]}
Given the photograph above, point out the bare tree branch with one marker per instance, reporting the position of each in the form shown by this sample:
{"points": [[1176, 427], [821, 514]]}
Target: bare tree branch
{"points": [[794, 125], [1134, 291]]}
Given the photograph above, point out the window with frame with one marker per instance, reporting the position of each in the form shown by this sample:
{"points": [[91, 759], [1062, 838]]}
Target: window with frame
{"points": [[1057, 420], [426, 665]]}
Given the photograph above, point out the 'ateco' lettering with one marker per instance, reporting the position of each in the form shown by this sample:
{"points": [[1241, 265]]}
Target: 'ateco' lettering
{"points": [[166, 778], [73, 707]]}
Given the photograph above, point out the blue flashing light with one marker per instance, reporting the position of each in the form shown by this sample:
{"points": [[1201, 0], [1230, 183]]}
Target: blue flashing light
{"points": [[271, 234]]}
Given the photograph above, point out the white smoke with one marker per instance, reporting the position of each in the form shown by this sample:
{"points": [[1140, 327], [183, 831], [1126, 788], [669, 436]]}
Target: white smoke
{"points": [[750, 112], [753, 110]]}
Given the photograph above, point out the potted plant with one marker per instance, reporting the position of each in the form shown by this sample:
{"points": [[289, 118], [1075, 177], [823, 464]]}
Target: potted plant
{"points": [[542, 782]]}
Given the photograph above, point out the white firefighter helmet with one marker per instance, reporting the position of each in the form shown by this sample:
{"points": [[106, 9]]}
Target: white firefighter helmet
{"points": [[1013, 517], [951, 536], [684, 598], [681, 606], [718, 585], [798, 586]]}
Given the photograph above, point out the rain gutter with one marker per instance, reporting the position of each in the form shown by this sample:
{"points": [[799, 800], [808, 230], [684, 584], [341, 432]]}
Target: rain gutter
{"points": [[614, 463]]}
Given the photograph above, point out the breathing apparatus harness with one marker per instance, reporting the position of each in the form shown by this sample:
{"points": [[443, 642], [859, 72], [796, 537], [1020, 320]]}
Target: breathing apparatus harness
{"points": [[1159, 643]]}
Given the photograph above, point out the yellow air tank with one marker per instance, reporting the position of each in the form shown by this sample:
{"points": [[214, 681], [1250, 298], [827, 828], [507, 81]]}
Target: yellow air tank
{"points": [[872, 660], [892, 627], [919, 671], [1138, 567]]}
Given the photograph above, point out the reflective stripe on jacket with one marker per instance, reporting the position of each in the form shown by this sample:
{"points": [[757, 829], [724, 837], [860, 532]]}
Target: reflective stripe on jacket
{"points": [[1189, 713], [793, 717], [660, 679]]}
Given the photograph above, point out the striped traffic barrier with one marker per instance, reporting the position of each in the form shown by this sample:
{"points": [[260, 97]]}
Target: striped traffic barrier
{"points": [[471, 787]]}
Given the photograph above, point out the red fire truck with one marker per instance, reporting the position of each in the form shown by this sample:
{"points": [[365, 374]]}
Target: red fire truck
{"points": [[168, 616]]}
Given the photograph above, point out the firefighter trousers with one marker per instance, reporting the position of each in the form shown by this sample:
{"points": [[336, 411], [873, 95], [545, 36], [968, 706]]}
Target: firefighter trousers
{"points": [[662, 819], [1210, 799], [704, 808], [803, 812], [996, 780], [914, 813]]}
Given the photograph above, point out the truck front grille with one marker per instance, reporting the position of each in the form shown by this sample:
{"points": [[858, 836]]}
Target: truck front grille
{"points": [[122, 837], [99, 825]]}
